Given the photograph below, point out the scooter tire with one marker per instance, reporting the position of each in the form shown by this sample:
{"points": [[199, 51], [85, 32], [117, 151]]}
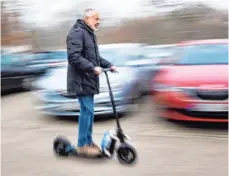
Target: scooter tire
{"points": [[126, 154], [60, 146]]}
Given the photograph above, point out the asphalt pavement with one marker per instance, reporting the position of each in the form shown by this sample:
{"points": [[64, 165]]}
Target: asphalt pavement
{"points": [[164, 148]]}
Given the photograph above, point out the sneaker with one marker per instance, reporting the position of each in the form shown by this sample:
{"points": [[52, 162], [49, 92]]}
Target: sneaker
{"points": [[93, 151], [88, 151], [93, 145], [82, 150]]}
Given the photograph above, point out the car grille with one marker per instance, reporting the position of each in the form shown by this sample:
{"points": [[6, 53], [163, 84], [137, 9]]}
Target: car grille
{"points": [[212, 95], [209, 115]]}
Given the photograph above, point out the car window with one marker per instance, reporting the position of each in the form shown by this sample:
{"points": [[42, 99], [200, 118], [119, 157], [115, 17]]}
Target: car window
{"points": [[6, 59], [59, 55], [120, 57], [41, 56], [15, 58], [204, 54], [156, 53]]}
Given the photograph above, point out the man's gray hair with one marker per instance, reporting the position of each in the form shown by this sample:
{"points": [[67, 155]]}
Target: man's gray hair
{"points": [[88, 12]]}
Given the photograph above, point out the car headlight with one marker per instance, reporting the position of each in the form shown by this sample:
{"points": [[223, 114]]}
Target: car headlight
{"points": [[114, 87], [164, 87]]}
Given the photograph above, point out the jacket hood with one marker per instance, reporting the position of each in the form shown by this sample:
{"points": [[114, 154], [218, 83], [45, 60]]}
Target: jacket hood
{"points": [[80, 23]]}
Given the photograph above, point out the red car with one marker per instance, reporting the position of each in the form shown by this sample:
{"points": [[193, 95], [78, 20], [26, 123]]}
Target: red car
{"points": [[195, 86]]}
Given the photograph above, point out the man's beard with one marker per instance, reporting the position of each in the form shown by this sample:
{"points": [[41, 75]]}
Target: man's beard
{"points": [[96, 28]]}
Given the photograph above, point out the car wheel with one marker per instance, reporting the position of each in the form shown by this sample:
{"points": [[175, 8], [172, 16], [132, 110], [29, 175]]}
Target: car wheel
{"points": [[27, 83], [136, 96]]}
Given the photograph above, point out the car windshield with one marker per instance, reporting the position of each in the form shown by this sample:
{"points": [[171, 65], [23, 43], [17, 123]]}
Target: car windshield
{"points": [[120, 57], [205, 54], [15, 59], [57, 55], [156, 53]]}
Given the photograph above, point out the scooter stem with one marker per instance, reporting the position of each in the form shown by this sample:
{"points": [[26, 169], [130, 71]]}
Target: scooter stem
{"points": [[112, 101]]}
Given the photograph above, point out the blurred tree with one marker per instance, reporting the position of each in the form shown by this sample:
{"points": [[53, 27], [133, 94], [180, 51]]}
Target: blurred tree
{"points": [[189, 21], [13, 31], [195, 21], [166, 3]]}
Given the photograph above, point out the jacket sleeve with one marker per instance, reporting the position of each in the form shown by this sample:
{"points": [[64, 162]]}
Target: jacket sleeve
{"points": [[74, 49], [104, 63]]}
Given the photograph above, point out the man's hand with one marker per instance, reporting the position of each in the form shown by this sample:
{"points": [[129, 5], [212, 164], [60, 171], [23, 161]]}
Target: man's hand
{"points": [[98, 70], [113, 68]]}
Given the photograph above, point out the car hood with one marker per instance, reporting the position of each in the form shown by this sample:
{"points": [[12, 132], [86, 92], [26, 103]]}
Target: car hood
{"points": [[57, 79], [193, 76]]}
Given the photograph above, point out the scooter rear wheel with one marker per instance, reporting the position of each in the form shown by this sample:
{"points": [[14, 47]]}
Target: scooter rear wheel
{"points": [[60, 146], [126, 154]]}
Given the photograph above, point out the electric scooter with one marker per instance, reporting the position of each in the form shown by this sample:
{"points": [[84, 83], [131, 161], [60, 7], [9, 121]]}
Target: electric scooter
{"points": [[112, 142]]}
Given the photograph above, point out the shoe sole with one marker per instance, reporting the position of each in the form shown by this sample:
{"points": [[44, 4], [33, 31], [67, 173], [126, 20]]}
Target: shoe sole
{"points": [[84, 155]]}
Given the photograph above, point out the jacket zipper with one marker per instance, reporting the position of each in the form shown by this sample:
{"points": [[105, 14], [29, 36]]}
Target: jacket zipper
{"points": [[95, 42]]}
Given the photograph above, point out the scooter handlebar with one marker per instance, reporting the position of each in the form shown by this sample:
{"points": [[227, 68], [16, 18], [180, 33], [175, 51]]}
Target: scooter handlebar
{"points": [[108, 69]]}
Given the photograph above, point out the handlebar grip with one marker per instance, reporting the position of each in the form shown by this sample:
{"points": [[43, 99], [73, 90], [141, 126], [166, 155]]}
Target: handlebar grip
{"points": [[108, 69]]}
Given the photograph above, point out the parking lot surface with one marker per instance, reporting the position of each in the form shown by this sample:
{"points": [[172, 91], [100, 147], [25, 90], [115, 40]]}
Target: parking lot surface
{"points": [[164, 148]]}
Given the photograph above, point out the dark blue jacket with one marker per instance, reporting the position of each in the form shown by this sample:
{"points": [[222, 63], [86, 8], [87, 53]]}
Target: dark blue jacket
{"points": [[83, 57]]}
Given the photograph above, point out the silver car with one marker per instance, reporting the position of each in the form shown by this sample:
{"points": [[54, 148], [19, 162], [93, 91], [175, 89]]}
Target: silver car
{"points": [[128, 85]]}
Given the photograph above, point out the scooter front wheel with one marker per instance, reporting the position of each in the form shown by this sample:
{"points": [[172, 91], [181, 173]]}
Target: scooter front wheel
{"points": [[126, 154], [60, 146]]}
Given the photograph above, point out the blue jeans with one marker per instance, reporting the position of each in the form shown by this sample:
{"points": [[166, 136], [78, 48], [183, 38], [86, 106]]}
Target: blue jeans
{"points": [[86, 120]]}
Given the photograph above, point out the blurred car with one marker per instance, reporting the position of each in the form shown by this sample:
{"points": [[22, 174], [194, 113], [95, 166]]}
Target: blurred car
{"points": [[51, 58], [160, 53], [15, 71], [195, 87], [128, 85], [161, 56], [132, 56]]}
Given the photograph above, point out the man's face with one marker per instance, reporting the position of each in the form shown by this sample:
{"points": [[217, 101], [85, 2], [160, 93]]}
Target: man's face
{"points": [[93, 21]]}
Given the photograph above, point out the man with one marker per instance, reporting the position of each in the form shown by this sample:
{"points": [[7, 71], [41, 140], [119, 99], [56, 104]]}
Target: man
{"points": [[84, 67]]}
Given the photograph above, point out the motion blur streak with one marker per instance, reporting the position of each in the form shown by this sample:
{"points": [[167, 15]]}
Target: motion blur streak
{"points": [[171, 90]]}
